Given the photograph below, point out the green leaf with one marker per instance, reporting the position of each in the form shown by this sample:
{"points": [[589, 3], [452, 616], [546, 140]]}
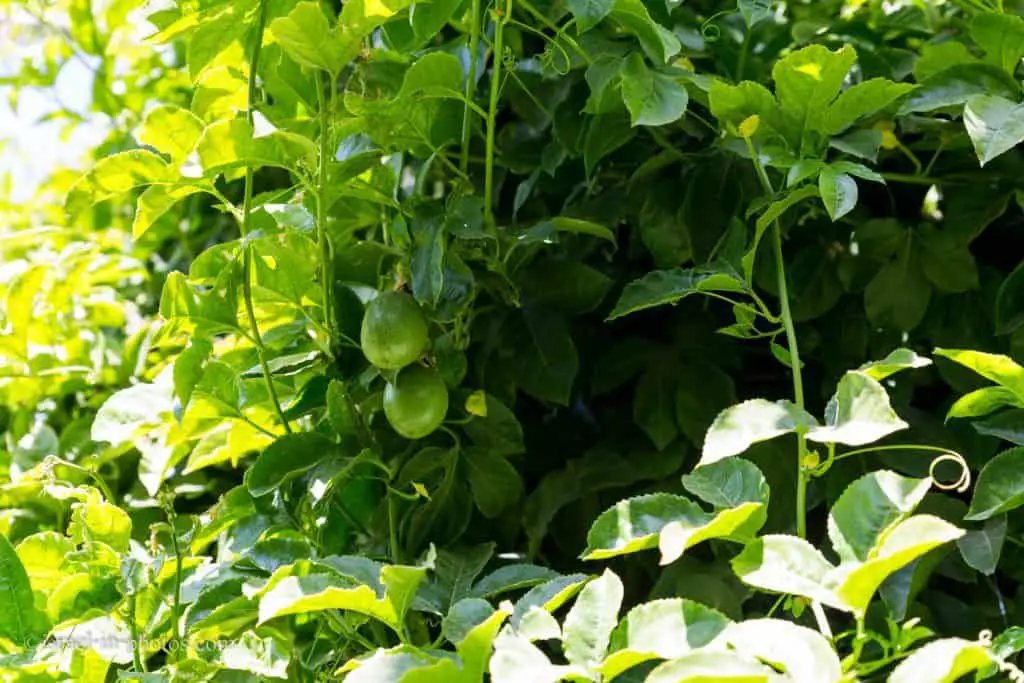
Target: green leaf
{"points": [[738, 428], [263, 657], [603, 77], [868, 508], [806, 82], [654, 408], [755, 11], [955, 86], [589, 13], [20, 621], [838, 192], [287, 594], [42, 555], [171, 130], [402, 664], [1009, 642], [231, 144], [661, 629], [1007, 425], [995, 125], [548, 596], [653, 99], [947, 260], [995, 367], [659, 43], [476, 647], [218, 38], [588, 625], [96, 520], [568, 287], [463, 617], [341, 412], [517, 660], [728, 483], [497, 430], [512, 577], [984, 401], [1000, 486], [899, 294], [545, 231], [805, 655], [546, 361], [633, 524], [1001, 36], [661, 287], [212, 312], [157, 200], [1009, 313], [787, 564], [982, 547], [900, 359], [733, 104], [942, 661], [290, 456], [703, 390], [862, 100], [117, 174], [306, 36], [424, 23], [859, 413], [360, 17], [899, 546], [705, 666], [739, 524], [605, 134], [494, 481], [129, 412]]}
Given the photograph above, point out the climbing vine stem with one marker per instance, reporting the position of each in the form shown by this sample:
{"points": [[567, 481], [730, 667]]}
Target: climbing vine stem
{"points": [[323, 239], [791, 342], [474, 43], [497, 62], [250, 110]]}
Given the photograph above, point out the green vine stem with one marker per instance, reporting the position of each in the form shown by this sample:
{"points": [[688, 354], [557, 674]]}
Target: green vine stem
{"points": [[53, 461], [133, 627], [474, 42], [791, 342], [497, 60], [323, 240], [261, 351], [177, 636]]}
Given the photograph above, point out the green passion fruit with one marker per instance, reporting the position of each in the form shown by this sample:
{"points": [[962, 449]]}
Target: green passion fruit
{"points": [[416, 402], [394, 331]]}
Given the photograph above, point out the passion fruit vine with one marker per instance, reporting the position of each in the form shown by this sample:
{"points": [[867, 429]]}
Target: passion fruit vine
{"points": [[394, 331], [416, 402]]}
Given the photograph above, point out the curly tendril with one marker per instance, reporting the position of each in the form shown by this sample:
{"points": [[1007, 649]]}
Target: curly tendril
{"points": [[551, 47], [962, 483], [710, 31], [1013, 673]]}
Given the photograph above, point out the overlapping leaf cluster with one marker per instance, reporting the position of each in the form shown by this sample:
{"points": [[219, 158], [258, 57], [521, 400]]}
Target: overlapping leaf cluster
{"points": [[738, 283]]}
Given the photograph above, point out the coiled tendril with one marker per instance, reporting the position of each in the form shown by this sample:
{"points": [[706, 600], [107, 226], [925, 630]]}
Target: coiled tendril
{"points": [[962, 483]]}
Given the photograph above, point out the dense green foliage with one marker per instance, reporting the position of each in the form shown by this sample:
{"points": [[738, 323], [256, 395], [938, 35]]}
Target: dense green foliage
{"points": [[394, 341]]}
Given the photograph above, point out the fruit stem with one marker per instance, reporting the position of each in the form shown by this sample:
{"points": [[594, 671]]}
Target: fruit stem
{"points": [[250, 109], [791, 342]]}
